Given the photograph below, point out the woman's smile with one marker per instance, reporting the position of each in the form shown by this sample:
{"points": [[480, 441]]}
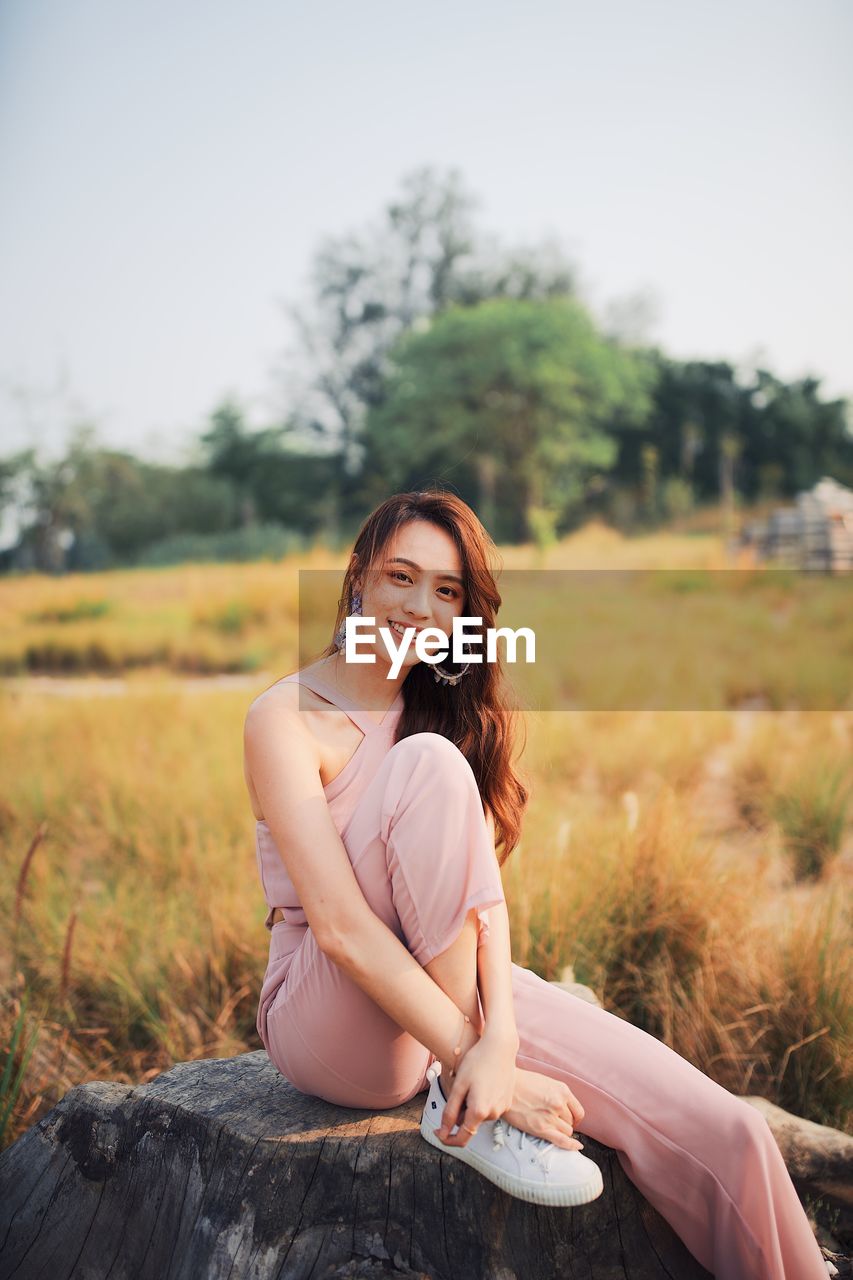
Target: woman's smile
{"points": [[400, 627]]}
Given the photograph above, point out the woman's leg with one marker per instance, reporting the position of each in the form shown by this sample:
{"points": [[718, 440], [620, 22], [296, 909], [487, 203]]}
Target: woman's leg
{"points": [[703, 1157], [455, 971], [706, 1159], [425, 862]]}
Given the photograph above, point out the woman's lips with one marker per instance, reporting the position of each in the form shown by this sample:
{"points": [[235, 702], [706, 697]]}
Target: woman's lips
{"points": [[406, 625]]}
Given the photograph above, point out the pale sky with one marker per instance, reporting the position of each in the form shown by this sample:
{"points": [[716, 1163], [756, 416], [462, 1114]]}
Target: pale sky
{"points": [[167, 169]]}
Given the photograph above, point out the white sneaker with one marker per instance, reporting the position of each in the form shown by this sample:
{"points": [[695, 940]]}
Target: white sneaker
{"points": [[525, 1166]]}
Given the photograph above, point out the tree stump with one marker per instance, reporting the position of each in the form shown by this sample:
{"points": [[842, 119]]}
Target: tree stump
{"points": [[221, 1168]]}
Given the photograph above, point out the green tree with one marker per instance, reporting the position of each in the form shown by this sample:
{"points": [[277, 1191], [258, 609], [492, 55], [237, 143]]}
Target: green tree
{"points": [[792, 437], [13, 469], [52, 506], [276, 478], [512, 401], [95, 507], [423, 255], [233, 452], [725, 437]]}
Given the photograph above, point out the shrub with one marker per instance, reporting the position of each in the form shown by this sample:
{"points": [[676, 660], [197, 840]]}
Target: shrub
{"points": [[254, 542], [811, 810]]}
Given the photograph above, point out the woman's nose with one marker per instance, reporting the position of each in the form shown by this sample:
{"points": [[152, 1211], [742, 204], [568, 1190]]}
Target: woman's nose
{"points": [[418, 610]]}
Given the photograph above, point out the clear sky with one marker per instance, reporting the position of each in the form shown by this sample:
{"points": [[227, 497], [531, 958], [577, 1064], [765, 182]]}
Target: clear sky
{"points": [[167, 169]]}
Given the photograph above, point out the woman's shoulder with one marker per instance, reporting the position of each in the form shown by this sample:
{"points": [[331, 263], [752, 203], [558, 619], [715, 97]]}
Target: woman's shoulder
{"points": [[276, 717], [288, 692]]}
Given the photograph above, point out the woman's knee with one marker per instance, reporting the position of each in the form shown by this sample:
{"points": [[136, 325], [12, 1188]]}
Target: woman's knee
{"points": [[432, 755], [428, 741], [427, 774]]}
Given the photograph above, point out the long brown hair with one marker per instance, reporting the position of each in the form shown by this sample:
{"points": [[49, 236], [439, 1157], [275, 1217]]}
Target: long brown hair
{"points": [[479, 714]]}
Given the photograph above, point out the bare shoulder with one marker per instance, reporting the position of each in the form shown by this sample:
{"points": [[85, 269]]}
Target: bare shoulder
{"points": [[282, 711], [283, 695], [288, 705], [277, 739]]}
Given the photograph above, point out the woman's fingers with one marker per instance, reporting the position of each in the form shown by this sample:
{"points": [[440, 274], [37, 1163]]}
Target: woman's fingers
{"points": [[575, 1107], [463, 1114], [458, 1139], [560, 1133], [450, 1115], [462, 1136], [563, 1136], [566, 1112]]}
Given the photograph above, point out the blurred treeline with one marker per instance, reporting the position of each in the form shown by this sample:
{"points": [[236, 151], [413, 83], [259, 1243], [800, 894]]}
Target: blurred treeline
{"points": [[428, 352]]}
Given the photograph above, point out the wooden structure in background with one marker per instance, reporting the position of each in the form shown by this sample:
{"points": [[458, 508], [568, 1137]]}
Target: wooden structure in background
{"points": [[816, 533]]}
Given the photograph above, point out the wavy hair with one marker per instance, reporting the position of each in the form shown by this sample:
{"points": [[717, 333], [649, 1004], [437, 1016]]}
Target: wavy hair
{"points": [[479, 714]]}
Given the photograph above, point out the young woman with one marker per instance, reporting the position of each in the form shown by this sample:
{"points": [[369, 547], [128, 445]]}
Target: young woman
{"points": [[379, 804]]}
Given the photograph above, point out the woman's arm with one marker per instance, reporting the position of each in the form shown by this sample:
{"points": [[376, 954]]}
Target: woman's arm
{"points": [[494, 977], [494, 969], [284, 766]]}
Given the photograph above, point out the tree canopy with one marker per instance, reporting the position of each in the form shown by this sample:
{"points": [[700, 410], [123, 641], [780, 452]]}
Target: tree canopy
{"points": [[516, 395], [427, 351]]}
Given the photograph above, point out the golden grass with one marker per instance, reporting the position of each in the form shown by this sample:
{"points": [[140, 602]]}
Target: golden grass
{"points": [[802, 782], [134, 912], [684, 640], [194, 618], [226, 617], [139, 918]]}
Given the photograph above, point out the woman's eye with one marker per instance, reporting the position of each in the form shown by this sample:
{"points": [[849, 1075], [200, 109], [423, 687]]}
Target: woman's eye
{"points": [[398, 574]]}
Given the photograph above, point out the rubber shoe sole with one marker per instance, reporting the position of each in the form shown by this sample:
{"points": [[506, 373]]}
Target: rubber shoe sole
{"points": [[566, 1194]]}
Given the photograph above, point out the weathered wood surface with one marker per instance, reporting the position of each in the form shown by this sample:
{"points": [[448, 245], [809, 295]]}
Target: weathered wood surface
{"points": [[221, 1168], [816, 1155]]}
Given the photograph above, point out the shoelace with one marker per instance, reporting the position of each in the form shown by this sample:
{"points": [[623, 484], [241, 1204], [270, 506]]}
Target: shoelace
{"points": [[541, 1149]]}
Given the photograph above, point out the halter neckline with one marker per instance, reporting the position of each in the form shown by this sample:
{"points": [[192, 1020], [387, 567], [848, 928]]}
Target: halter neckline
{"points": [[345, 703]]}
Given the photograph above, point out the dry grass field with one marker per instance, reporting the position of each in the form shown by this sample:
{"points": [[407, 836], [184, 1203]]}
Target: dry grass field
{"points": [[692, 866]]}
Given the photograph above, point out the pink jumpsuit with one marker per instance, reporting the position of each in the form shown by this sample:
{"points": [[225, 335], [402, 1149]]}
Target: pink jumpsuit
{"points": [[411, 818]]}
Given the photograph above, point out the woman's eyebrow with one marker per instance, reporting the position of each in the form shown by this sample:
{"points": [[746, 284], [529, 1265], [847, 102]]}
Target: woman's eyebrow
{"points": [[403, 560]]}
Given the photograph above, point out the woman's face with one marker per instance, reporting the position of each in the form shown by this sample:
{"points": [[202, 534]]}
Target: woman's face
{"points": [[417, 582]]}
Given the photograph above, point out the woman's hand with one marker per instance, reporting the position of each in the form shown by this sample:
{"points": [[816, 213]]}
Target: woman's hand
{"points": [[481, 1089], [545, 1108]]}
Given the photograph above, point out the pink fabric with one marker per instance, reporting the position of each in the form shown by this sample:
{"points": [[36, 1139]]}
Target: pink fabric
{"points": [[411, 818]]}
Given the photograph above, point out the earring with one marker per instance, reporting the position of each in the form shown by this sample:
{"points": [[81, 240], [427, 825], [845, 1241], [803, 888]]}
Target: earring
{"points": [[444, 677], [449, 677], [355, 608]]}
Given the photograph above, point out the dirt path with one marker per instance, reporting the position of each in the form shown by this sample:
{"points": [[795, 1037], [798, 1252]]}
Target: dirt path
{"points": [[113, 686]]}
